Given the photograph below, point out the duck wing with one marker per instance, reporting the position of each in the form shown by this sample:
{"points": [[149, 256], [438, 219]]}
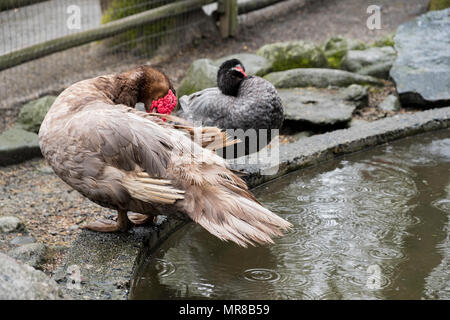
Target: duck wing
{"points": [[123, 161], [210, 107]]}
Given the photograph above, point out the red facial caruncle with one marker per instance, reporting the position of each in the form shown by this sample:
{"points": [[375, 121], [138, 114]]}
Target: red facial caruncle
{"points": [[164, 105], [240, 69]]}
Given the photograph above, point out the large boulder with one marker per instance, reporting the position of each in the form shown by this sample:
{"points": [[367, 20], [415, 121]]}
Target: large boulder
{"points": [[254, 64], [422, 69], [32, 114], [312, 108], [336, 48], [319, 78], [293, 54], [201, 74], [22, 282], [17, 145], [374, 61]]}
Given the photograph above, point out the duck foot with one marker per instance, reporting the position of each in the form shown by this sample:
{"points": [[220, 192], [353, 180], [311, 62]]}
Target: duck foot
{"points": [[122, 224], [139, 219]]}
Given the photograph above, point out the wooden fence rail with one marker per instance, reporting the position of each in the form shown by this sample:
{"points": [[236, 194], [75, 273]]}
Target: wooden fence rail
{"points": [[248, 6], [105, 31], [227, 9], [12, 4]]}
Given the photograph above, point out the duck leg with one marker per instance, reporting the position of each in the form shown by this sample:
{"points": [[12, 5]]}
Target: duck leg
{"points": [[122, 224], [138, 219]]}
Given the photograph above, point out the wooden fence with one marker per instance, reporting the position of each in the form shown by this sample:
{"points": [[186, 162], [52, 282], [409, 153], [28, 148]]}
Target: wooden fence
{"points": [[228, 11]]}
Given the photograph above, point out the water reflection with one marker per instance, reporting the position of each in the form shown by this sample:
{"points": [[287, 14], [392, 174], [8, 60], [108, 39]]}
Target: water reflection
{"points": [[371, 226]]}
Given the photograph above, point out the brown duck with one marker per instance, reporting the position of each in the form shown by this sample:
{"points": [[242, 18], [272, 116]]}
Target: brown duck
{"points": [[129, 160]]}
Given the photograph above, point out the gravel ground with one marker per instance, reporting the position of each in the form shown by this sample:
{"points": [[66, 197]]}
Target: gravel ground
{"points": [[53, 212]]}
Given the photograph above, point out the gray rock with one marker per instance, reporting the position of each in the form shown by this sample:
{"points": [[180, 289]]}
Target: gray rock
{"points": [[17, 145], [74, 227], [32, 114], [33, 254], [22, 282], [293, 54], [421, 71], [358, 123], [391, 103], [319, 78], [379, 70], [46, 170], [302, 135], [10, 224], [357, 95], [202, 74], [20, 240], [336, 48], [254, 64], [373, 61], [316, 108]]}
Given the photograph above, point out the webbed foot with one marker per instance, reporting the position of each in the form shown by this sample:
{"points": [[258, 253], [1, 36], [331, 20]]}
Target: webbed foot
{"points": [[102, 225], [139, 219]]}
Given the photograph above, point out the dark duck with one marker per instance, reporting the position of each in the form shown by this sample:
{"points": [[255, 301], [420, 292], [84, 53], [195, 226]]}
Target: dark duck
{"points": [[239, 102]]}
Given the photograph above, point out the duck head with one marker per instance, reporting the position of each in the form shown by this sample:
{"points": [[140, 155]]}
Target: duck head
{"points": [[148, 86], [229, 77]]}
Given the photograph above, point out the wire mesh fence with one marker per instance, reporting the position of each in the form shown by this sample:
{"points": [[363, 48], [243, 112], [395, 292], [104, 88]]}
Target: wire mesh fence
{"points": [[32, 25], [28, 24]]}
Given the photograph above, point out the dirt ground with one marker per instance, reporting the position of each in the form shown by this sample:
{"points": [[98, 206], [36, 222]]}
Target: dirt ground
{"points": [[53, 212]]}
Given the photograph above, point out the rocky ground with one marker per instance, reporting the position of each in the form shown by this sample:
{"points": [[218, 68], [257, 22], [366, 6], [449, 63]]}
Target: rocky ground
{"points": [[51, 212]]}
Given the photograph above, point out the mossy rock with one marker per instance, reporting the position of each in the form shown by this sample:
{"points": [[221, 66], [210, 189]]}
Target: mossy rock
{"points": [[336, 48], [319, 78], [439, 4], [385, 41], [33, 113], [202, 74], [293, 54], [137, 39]]}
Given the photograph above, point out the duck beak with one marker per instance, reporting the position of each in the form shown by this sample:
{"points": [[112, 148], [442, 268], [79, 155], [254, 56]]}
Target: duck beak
{"points": [[240, 69]]}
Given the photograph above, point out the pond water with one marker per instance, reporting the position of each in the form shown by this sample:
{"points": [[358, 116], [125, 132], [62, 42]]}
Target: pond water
{"points": [[372, 225]]}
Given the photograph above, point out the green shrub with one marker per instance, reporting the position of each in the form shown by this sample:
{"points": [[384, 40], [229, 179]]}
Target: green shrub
{"points": [[138, 39]]}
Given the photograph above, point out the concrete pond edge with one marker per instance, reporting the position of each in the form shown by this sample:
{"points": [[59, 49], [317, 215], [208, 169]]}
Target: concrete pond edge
{"points": [[104, 266]]}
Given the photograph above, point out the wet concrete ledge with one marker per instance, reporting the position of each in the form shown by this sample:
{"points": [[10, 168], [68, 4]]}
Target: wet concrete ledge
{"points": [[107, 262]]}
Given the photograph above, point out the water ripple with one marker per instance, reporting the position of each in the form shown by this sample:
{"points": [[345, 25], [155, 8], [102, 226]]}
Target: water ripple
{"points": [[386, 253], [442, 204], [262, 275], [164, 268]]}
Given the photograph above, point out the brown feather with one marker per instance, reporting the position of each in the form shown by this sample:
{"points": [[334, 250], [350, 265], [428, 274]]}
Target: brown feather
{"points": [[126, 159]]}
